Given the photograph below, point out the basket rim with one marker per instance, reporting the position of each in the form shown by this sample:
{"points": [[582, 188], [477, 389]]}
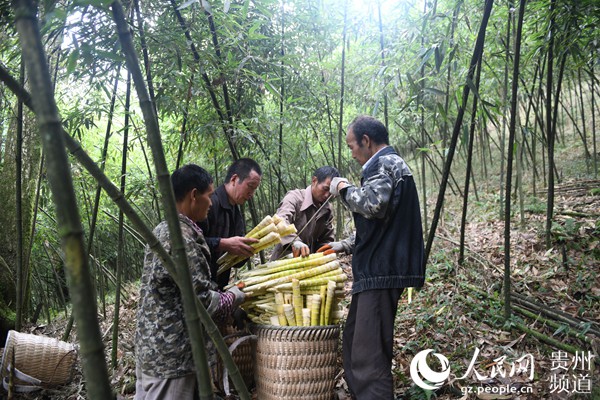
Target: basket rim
{"points": [[4, 361], [293, 328]]}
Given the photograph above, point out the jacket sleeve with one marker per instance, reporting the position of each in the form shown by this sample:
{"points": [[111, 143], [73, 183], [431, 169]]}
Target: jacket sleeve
{"points": [[348, 243], [287, 211], [205, 289], [372, 198]]}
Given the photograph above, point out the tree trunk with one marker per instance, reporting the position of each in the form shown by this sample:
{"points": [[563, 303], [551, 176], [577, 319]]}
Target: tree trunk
{"points": [[583, 123], [68, 219], [28, 171], [194, 310], [549, 131], [121, 240], [505, 102], [592, 79], [422, 126], [144, 231], [463, 221], [340, 210], [382, 48], [477, 52], [103, 154], [20, 267], [280, 193], [509, 160]]}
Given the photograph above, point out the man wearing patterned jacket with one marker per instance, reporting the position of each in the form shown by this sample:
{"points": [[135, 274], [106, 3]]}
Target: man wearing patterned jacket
{"points": [[164, 367], [387, 256]]}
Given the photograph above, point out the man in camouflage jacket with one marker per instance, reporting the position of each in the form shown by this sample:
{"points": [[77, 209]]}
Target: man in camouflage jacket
{"points": [[165, 368], [387, 256]]}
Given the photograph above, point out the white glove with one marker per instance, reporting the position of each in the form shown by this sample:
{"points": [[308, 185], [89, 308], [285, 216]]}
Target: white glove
{"points": [[333, 186], [239, 296], [300, 249]]}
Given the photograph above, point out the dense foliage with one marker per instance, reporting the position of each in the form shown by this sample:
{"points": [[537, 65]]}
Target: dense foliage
{"points": [[279, 81]]}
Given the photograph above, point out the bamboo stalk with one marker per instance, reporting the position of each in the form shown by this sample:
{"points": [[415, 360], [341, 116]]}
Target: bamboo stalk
{"points": [[546, 339], [280, 309], [315, 307], [192, 305], [553, 324], [119, 199], [554, 314], [298, 275], [323, 294], [297, 300], [329, 301], [68, 218], [292, 263], [288, 310], [306, 316]]}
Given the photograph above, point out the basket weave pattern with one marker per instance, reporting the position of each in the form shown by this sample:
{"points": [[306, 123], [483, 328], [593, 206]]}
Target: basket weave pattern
{"points": [[47, 359], [243, 357], [296, 363]]}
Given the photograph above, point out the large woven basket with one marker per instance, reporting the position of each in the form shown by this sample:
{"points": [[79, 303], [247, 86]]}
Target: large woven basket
{"points": [[42, 358], [296, 363], [241, 346]]}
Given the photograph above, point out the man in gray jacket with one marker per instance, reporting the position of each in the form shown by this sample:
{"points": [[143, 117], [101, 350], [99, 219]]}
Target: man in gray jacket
{"points": [[387, 256], [304, 208]]}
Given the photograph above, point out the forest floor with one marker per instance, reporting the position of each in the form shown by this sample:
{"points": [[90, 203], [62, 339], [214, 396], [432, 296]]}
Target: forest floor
{"points": [[459, 313]]}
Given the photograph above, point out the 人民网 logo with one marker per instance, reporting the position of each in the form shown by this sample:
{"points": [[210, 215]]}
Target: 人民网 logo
{"points": [[421, 372]]}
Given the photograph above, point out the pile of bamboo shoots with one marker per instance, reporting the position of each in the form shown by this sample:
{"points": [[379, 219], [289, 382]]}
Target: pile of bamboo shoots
{"points": [[269, 232], [301, 291]]}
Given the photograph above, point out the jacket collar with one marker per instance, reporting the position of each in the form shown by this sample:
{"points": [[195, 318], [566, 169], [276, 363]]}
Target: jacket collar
{"points": [[308, 199], [223, 198], [372, 163]]}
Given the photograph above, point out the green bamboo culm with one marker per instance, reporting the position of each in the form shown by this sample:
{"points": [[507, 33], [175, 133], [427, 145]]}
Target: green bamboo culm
{"points": [[63, 194], [121, 241], [119, 199], [193, 309], [183, 280]]}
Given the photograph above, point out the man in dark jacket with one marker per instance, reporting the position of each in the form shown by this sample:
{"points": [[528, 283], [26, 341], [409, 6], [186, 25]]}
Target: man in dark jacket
{"points": [[387, 256], [224, 228]]}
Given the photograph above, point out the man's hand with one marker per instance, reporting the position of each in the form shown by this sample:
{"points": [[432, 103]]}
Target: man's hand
{"points": [[239, 296], [332, 247], [337, 184], [237, 245], [300, 249]]}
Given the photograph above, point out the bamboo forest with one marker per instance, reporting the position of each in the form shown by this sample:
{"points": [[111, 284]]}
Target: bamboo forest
{"points": [[493, 106]]}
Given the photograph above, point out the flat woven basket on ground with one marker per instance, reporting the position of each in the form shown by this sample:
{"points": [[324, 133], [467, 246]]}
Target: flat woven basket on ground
{"points": [[46, 359], [241, 346], [295, 362]]}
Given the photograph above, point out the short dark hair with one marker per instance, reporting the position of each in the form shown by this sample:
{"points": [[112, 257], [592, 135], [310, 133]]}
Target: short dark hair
{"points": [[242, 168], [367, 125], [325, 172], [188, 177]]}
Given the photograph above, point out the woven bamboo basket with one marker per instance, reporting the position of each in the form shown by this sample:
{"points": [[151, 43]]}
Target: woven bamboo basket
{"points": [[46, 359], [241, 346], [295, 362]]}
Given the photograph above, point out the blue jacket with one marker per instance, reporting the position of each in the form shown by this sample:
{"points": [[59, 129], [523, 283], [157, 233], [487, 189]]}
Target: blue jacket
{"points": [[388, 250]]}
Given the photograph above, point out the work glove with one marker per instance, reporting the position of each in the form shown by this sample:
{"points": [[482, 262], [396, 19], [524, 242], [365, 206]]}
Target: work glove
{"points": [[300, 249], [345, 246], [332, 247], [333, 186], [239, 296], [240, 318]]}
